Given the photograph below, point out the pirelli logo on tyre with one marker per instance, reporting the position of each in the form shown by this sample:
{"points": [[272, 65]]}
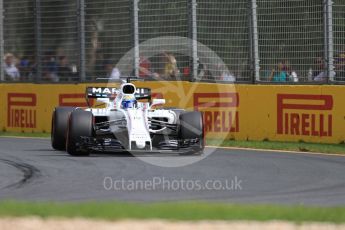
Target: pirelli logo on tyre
{"points": [[21, 110], [305, 115], [220, 111]]}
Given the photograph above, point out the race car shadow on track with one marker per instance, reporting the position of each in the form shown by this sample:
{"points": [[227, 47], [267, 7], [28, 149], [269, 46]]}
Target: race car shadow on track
{"points": [[140, 153], [110, 154], [92, 155], [40, 150]]}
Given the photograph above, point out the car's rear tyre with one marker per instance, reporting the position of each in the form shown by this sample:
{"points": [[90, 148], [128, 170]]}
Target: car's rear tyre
{"points": [[191, 127], [80, 125], [59, 127]]}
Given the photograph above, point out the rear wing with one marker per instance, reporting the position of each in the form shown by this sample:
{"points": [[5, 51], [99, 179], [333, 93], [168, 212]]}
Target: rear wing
{"points": [[101, 92], [110, 92], [143, 94]]}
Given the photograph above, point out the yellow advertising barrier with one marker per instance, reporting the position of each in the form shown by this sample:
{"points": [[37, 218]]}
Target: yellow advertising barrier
{"points": [[241, 112]]}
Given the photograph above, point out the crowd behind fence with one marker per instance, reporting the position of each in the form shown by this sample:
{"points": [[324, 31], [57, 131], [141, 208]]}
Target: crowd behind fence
{"points": [[257, 41]]}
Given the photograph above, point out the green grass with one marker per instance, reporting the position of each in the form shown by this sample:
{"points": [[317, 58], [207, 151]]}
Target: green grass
{"points": [[275, 145], [290, 146], [173, 211]]}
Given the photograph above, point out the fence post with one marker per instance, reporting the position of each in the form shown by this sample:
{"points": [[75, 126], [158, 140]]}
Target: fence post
{"points": [[2, 75], [38, 39], [136, 37], [81, 35], [328, 30], [193, 35], [254, 40]]}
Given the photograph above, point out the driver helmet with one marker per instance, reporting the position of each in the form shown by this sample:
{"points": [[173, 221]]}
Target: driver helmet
{"points": [[128, 102]]}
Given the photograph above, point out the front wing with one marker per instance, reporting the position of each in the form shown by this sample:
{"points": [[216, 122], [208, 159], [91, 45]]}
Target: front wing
{"points": [[92, 144]]}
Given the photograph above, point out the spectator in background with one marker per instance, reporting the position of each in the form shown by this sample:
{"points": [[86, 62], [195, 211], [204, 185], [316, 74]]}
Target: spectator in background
{"points": [[187, 73], [203, 72], [64, 72], [227, 76], [292, 75], [319, 73], [223, 74], [111, 71], [164, 67], [50, 68], [33, 68], [11, 71], [144, 68], [171, 72], [25, 68], [279, 74], [339, 64]]}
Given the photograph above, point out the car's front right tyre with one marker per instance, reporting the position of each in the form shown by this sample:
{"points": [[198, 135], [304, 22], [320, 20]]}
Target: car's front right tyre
{"points": [[192, 128]]}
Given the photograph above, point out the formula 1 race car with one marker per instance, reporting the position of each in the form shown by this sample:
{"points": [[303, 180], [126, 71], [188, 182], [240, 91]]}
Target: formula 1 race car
{"points": [[129, 121]]}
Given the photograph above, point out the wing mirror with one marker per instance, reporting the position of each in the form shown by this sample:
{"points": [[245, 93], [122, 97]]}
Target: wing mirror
{"points": [[156, 102]]}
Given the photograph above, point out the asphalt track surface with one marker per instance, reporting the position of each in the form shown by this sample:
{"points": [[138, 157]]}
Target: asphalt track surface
{"points": [[31, 170]]}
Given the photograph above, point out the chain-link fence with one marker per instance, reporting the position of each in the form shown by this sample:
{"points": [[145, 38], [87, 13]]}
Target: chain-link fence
{"points": [[223, 26], [108, 36], [58, 40], [256, 40], [161, 25], [339, 40], [291, 38], [18, 50]]}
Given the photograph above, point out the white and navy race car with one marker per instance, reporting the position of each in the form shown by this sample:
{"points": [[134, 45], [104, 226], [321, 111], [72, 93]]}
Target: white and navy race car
{"points": [[129, 121]]}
